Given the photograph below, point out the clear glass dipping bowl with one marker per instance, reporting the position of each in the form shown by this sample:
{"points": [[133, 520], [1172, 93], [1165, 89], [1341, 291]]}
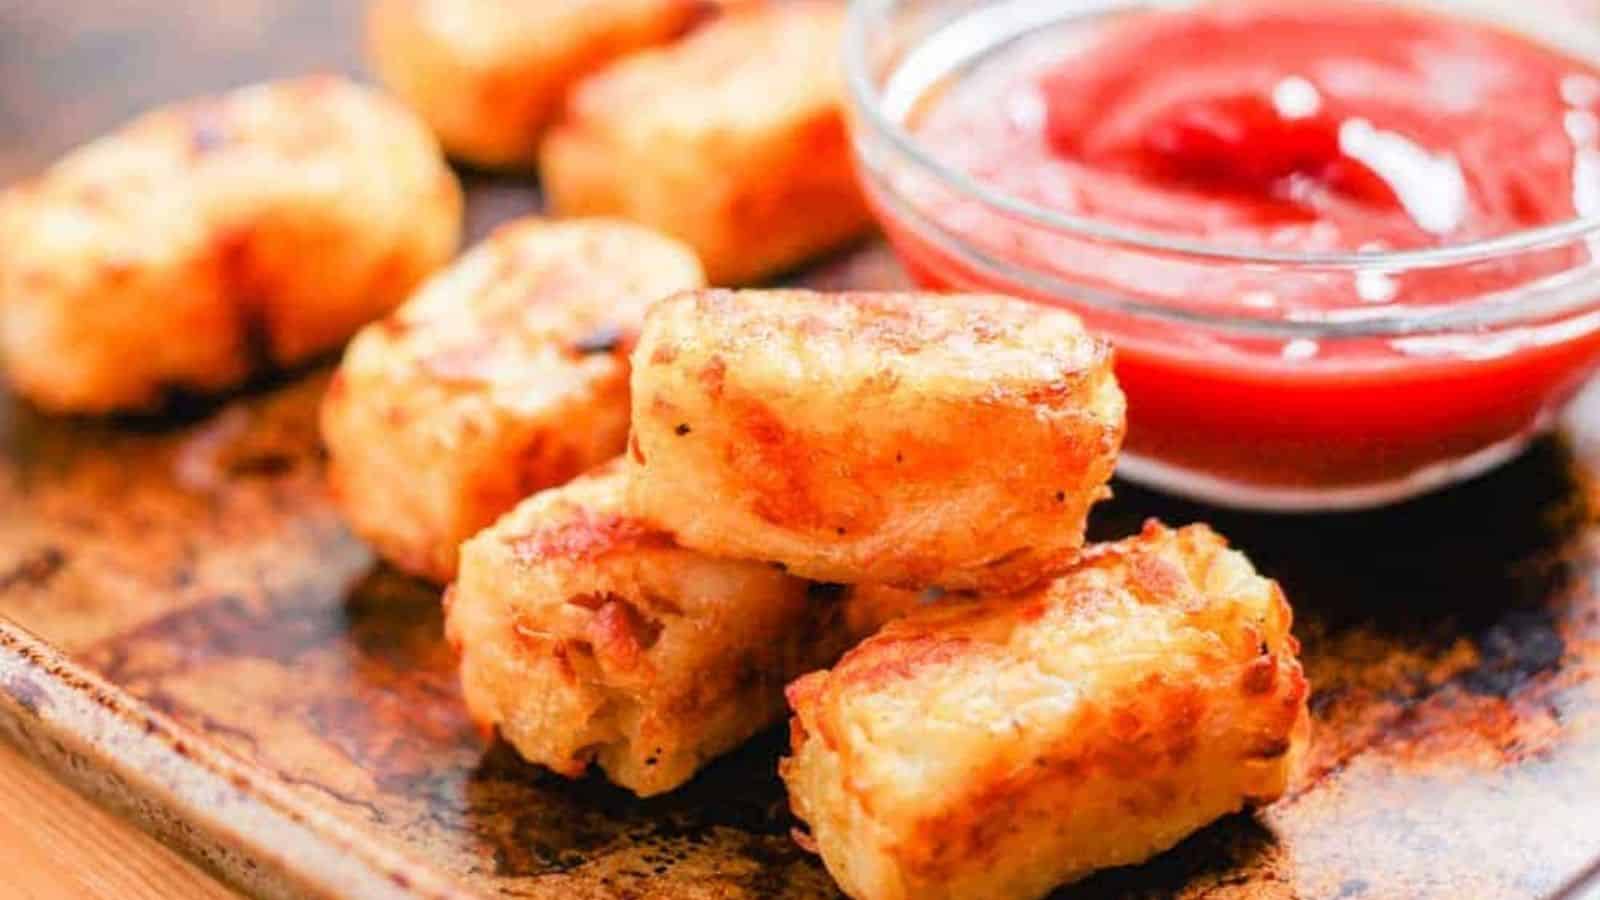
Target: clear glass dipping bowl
{"points": [[1352, 406]]}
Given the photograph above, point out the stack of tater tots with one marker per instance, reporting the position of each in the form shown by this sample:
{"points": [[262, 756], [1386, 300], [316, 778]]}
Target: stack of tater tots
{"points": [[911, 475], [664, 509], [895, 485]]}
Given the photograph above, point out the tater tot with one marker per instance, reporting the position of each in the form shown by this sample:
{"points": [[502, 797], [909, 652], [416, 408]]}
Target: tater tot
{"points": [[901, 439], [210, 240], [732, 140], [505, 374], [489, 75], [586, 636], [996, 748]]}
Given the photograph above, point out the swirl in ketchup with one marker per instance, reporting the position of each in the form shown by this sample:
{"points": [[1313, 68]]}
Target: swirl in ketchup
{"points": [[1319, 127], [1288, 127]]}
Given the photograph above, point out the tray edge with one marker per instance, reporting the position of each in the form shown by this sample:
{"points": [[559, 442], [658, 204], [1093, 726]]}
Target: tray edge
{"points": [[234, 821]]}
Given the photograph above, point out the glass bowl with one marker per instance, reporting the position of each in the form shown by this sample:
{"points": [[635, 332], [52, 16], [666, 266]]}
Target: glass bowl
{"points": [[1437, 365]]}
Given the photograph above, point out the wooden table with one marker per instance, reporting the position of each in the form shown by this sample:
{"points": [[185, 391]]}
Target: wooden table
{"points": [[54, 843]]}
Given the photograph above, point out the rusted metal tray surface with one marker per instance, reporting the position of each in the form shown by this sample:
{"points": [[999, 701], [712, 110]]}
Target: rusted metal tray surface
{"points": [[195, 639]]}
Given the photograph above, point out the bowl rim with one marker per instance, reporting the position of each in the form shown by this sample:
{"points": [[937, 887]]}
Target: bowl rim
{"points": [[1561, 298], [868, 105]]}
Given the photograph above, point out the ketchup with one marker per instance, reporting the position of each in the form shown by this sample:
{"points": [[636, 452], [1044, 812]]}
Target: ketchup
{"points": [[1289, 127], [1373, 123]]}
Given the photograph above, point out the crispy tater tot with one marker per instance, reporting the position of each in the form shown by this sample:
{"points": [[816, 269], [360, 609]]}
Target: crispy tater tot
{"points": [[998, 747], [489, 75], [901, 439], [208, 240], [505, 374], [586, 636], [732, 140]]}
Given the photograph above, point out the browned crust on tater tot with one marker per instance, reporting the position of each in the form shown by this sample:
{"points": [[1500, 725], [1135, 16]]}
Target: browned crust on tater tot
{"points": [[588, 637], [903, 439], [733, 140], [489, 75], [505, 374], [998, 747], [210, 240]]}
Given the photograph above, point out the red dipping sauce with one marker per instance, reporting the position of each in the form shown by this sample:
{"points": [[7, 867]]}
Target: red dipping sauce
{"points": [[1344, 248]]}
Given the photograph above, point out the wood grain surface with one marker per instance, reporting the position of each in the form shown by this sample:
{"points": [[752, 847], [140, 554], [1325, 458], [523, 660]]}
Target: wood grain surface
{"points": [[54, 843], [195, 563]]}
